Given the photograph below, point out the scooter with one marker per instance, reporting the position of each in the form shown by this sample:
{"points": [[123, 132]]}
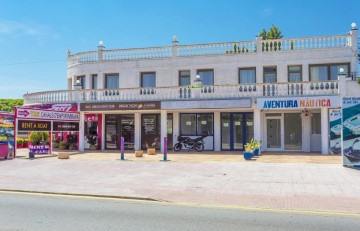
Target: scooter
{"points": [[196, 144]]}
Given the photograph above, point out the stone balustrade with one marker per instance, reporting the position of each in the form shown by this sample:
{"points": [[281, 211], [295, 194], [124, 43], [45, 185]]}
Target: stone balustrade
{"points": [[286, 44], [185, 93]]}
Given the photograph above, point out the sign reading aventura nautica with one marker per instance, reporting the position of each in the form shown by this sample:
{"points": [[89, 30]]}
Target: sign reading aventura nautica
{"points": [[351, 131], [299, 102], [47, 115]]}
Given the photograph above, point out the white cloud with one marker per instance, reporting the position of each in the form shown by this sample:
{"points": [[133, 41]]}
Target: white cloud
{"points": [[267, 12], [14, 28]]}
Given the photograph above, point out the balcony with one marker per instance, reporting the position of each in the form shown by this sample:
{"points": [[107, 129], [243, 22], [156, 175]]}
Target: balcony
{"points": [[229, 48], [185, 93]]}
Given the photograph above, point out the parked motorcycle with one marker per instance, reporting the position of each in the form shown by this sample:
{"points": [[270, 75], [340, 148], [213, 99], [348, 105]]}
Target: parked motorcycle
{"points": [[196, 144]]}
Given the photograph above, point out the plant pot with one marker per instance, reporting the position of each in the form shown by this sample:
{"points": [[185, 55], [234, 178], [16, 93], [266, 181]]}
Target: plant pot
{"points": [[139, 153], [256, 152], [31, 155], [248, 155], [93, 147], [151, 151]]}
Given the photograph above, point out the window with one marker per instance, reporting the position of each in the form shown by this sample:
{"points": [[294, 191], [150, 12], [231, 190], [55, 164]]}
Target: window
{"points": [[94, 82], [82, 81], [247, 75], [196, 124], [326, 72], [206, 76], [148, 79], [270, 75], [315, 123], [111, 81], [184, 78], [294, 74]]}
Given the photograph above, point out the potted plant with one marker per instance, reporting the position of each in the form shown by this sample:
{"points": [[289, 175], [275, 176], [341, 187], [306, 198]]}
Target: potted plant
{"points": [[151, 148], [63, 145], [256, 145], [248, 153], [92, 141], [55, 143], [19, 142], [72, 142], [39, 143]]}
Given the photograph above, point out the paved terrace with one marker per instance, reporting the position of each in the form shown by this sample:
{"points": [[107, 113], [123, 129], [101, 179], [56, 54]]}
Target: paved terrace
{"points": [[281, 181]]}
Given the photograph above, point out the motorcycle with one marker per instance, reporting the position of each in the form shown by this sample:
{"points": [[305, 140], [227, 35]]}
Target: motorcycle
{"points": [[196, 144]]}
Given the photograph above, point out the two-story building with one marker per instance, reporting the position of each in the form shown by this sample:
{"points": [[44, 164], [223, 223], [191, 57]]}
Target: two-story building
{"points": [[278, 91]]}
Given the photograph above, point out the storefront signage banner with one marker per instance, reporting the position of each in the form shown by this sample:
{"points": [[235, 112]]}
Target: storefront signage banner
{"points": [[70, 107], [47, 115], [33, 125], [65, 126], [335, 116], [298, 102], [207, 104], [351, 131], [119, 106]]}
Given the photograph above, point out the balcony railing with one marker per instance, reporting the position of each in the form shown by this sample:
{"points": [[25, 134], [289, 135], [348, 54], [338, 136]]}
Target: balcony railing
{"points": [[286, 44], [184, 93]]}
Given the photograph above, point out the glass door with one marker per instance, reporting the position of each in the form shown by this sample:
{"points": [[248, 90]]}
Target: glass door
{"points": [[292, 131], [225, 132], [238, 131], [127, 131], [273, 133]]}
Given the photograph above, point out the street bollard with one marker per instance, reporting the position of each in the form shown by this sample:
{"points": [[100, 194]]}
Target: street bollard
{"points": [[122, 148], [165, 149]]}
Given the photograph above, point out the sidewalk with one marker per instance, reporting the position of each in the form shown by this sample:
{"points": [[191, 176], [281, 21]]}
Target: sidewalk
{"points": [[262, 183]]}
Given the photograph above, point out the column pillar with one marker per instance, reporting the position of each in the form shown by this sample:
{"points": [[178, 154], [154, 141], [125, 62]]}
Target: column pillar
{"points": [[163, 126], [103, 132], [176, 126], [257, 124], [217, 131], [137, 128], [324, 131], [81, 132]]}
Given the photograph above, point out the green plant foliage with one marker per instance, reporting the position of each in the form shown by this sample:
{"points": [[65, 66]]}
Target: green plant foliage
{"points": [[8, 104], [36, 137]]}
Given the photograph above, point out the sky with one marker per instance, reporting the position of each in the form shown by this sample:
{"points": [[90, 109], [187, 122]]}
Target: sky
{"points": [[35, 35]]}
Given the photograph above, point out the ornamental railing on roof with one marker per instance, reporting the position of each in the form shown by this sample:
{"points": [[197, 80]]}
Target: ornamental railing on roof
{"points": [[230, 48]]}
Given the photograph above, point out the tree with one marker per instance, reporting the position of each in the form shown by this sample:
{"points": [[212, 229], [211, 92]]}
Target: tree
{"points": [[8, 104], [273, 33]]}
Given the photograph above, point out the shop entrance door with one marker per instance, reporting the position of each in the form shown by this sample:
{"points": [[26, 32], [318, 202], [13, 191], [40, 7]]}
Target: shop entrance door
{"points": [[127, 131], [236, 129], [117, 126], [273, 133]]}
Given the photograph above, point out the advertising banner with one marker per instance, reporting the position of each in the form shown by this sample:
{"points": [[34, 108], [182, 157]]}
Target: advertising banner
{"points": [[335, 130], [70, 107], [6, 135], [351, 131], [33, 125], [65, 126], [47, 115], [298, 102], [109, 106]]}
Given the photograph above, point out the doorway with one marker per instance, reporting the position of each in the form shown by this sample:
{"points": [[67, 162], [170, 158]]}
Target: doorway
{"points": [[237, 129], [283, 131], [117, 126]]}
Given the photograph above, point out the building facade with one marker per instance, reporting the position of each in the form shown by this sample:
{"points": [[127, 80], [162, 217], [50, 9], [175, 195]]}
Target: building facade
{"points": [[278, 91]]}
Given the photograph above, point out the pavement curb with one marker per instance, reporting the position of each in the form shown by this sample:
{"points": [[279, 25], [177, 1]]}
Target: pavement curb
{"points": [[81, 195]]}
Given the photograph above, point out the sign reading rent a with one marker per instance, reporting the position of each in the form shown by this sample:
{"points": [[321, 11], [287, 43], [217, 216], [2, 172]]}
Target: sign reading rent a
{"points": [[33, 125], [47, 115]]}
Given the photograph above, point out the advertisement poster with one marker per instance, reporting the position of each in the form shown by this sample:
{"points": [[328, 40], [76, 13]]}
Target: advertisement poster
{"points": [[335, 130], [351, 131], [6, 135]]}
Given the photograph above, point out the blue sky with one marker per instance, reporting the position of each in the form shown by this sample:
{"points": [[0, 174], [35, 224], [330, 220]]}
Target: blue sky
{"points": [[35, 35]]}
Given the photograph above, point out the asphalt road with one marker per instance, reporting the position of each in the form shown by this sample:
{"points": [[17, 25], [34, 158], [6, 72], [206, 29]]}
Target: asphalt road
{"points": [[45, 212]]}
